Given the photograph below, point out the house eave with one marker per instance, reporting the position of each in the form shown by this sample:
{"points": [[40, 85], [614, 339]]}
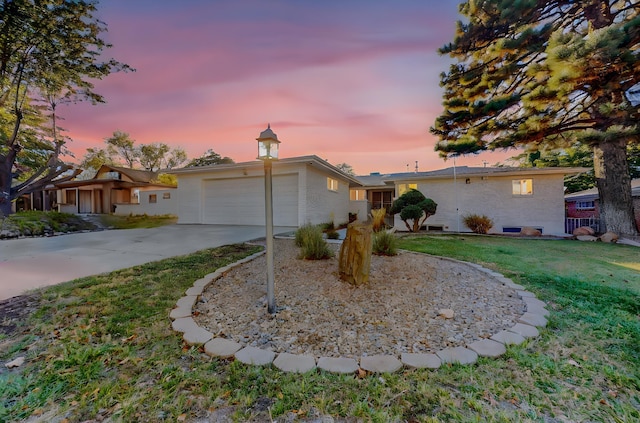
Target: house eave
{"points": [[312, 160]]}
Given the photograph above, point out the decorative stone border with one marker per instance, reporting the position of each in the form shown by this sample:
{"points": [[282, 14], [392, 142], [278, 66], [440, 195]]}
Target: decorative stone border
{"points": [[182, 316]]}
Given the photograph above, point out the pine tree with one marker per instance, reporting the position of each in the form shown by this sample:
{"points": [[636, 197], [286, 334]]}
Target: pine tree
{"points": [[549, 74]]}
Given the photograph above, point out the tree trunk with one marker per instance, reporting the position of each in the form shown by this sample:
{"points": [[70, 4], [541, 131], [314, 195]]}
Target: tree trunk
{"points": [[614, 187], [6, 165], [355, 254]]}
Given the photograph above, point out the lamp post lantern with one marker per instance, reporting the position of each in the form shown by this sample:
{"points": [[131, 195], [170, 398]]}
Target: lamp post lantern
{"points": [[268, 152]]}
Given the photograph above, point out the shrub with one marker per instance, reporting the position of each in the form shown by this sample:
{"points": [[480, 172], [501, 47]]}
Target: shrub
{"points": [[304, 232], [412, 206], [312, 245], [384, 244], [333, 235], [479, 224], [378, 216], [328, 226]]}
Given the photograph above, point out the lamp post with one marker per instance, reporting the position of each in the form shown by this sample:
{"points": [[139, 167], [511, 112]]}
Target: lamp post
{"points": [[268, 152]]}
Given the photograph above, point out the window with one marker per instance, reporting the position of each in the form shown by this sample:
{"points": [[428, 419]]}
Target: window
{"points": [[585, 205], [166, 195], [70, 196], [153, 198], [522, 186], [357, 194], [402, 188], [332, 184]]}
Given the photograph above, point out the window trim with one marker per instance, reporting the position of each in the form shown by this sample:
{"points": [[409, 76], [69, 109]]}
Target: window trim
{"points": [[406, 187], [590, 205], [332, 184], [519, 183]]}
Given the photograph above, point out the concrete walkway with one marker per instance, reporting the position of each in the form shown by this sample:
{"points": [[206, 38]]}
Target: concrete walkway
{"points": [[30, 263]]}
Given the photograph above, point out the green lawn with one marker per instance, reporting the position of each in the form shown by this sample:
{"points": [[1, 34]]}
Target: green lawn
{"points": [[102, 348]]}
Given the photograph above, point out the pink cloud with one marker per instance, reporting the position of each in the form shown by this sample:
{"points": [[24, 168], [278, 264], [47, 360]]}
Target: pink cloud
{"points": [[353, 82]]}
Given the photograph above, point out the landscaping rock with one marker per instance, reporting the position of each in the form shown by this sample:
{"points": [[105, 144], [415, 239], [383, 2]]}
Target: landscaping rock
{"points": [[529, 231], [488, 348], [293, 363], [220, 347], [609, 237], [447, 313], [421, 361], [588, 238], [380, 364], [338, 364], [15, 363], [257, 356], [459, 355], [583, 230]]}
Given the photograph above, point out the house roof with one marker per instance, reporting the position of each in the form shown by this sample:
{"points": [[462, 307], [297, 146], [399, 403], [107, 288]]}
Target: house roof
{"points": [[136, 175], [138, 178], [381, 180], [309, 160], [592, 193]]}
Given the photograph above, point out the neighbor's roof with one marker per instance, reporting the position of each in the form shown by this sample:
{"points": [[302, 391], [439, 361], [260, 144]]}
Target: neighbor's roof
{"points": [[592, 193], [138, 177], [309, 160], [379, 180], [135, 175]]}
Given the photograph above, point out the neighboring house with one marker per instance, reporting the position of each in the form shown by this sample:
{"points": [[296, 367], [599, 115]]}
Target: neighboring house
{"points": [[583, 208], [116, 190], [512, 197], [305, 190]]}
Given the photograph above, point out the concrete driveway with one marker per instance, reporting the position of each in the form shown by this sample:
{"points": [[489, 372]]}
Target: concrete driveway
{"points": [[30, 263]]}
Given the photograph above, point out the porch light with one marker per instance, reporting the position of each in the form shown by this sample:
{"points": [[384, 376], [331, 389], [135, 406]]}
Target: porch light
{"points": [[268, 145], [268, 152]]}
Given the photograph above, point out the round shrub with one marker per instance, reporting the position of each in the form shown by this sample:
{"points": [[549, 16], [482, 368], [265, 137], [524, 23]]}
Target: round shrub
{"points": [[479, 224]]}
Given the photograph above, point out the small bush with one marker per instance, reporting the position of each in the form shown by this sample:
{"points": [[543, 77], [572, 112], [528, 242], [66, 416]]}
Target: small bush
{"points": [[304, 232], [384, 244], [479, 224], [378, 216], [328, 226], [333, 235], [312, 245]]}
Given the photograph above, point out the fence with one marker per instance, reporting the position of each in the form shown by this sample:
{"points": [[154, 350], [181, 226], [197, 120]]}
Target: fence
{"points": [[571, 223]]}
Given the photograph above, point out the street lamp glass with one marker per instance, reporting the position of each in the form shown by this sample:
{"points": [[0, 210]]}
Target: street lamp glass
{"points": [[268, 145], [268, 149]]}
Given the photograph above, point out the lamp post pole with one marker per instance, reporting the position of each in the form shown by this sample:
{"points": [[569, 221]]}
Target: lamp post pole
{"points": [[268, 152], [268, 201]]}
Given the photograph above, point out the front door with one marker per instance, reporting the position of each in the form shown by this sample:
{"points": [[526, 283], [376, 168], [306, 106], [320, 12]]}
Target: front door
{"points": [[85, 201]]}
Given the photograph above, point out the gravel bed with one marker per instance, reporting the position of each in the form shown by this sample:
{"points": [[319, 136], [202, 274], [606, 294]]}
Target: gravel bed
{"points": [[320, 315]]}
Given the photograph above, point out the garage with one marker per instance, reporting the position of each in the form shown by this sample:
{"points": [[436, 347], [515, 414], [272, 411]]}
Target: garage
{"points": [[240, 201]]}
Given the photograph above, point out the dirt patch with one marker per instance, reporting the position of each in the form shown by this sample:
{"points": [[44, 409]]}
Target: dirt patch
{"points": [[15, 311]]}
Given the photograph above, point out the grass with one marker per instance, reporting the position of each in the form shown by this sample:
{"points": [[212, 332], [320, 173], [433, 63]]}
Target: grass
{"points": [[39, 223], [137, 221], [102, 348]]}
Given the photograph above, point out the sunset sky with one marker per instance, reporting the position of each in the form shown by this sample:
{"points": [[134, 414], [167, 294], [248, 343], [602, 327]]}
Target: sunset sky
{"points": [[353, 81]]}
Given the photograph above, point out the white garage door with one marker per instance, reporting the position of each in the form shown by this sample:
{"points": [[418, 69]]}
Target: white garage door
{"points": [[241, 201]]}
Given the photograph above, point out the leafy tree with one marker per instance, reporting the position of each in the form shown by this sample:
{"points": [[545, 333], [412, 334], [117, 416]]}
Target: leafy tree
{"points": [[210, 158], [122, 145], [176, 157], [50, 52], [158, 155], [346, 168], [414, 206], [96, 157], [548, 73]]}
